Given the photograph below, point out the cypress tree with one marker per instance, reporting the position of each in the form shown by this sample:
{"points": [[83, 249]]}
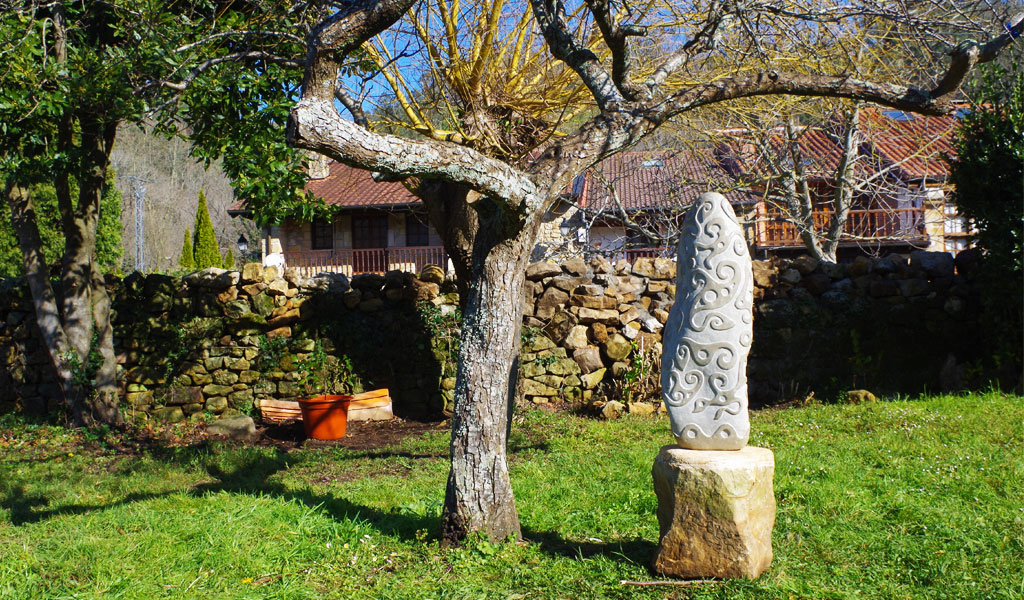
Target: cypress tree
{"points": [[187, 262], [204, 239], [229, 259]]}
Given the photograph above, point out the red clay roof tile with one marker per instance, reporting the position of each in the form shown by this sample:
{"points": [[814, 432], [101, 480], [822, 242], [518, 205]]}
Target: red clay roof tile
{"points": [[660, 179], [911, 144], [351, 187]]}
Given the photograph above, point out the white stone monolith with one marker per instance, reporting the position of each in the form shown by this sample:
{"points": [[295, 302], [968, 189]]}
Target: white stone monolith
{"points": [[709, 330]]}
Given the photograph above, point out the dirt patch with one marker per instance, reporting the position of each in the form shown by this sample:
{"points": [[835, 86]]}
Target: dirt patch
{"points": [[134, 441], [364, 435]]}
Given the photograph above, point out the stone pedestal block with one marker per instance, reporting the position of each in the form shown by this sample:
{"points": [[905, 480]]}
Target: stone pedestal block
{"points": [[716, 510]]}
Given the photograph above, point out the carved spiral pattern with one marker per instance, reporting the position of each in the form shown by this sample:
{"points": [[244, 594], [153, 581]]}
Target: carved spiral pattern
{"points": [[709, 331]]}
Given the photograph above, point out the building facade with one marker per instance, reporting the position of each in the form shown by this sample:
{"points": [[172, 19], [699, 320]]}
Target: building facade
{"points": [[631, 204]]}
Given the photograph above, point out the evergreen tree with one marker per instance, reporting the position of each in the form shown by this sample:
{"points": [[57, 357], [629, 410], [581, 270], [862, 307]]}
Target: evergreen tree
{"points": [[187, 262], [229, 259], [204, 240], [989, 176], [989, 169]]}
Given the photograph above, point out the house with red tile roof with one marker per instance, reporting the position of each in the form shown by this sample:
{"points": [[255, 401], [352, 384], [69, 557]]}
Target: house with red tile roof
{"points": [[631, 204], [377, 226], [902, 200]]}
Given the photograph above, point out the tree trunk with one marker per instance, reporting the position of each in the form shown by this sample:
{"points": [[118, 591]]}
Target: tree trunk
{"points": [[799, 193], [92, 317], [103, 404], [23, 220], [450, 212], [80, 244], [479, 494], [842, 199], [68, 324]]}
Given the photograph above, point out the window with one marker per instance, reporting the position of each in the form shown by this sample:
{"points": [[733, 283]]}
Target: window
{"points": [[417, 233], [322, 235], [955, 245], [898, 115], [954, 223], [369, 231]]}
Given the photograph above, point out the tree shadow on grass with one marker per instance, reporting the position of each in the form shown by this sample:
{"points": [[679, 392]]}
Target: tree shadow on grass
{"points": [[256, 476], [253, 476], [634, 550]]}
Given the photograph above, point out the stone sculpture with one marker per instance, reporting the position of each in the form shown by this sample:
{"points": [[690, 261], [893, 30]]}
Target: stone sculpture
{"points": [[716, 509], [709, 330]]}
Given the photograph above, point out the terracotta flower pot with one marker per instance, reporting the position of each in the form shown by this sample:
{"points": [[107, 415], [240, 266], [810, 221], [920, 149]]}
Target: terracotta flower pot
{"points": [[325, 417]]}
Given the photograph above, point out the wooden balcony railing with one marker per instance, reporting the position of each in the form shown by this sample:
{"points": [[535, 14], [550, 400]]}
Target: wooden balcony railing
{"points": [[874, 225], [374, 260], [652, 252], [631, 254]]}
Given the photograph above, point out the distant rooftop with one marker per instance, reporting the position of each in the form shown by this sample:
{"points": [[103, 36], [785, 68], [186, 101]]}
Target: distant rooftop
{"points": [[658, 179]]}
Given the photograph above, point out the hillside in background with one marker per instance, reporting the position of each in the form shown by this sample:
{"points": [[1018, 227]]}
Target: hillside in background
{"points": [[158, 174]]}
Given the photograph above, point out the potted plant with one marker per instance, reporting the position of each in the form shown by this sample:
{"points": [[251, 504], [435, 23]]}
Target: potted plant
{"points": [[324, 410]]}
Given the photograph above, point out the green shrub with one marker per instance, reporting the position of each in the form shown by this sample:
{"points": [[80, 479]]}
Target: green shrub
{"points": [[44, 201], [988, 173], [989, 169]]}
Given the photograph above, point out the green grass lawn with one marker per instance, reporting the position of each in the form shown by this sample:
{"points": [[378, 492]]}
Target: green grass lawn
{"points": [[899, 499]]}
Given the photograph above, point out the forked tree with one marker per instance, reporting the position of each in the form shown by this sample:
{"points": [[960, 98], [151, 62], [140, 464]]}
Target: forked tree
{"points": [[510, 103], [502, 104]]}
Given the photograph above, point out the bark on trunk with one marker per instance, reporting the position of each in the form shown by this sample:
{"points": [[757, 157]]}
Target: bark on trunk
{"points": [[91, 309], [800, 198], [80, 245], [479, 493], [842, 200], [23, 220], [103, 404]]}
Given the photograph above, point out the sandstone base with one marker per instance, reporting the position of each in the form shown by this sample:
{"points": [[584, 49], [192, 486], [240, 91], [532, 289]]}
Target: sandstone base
{"points": [[716, 510]]}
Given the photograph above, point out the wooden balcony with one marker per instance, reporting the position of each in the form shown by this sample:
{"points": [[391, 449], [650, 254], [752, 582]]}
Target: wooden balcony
{"points": [[631, 254], [374, 260], [874, 226]]}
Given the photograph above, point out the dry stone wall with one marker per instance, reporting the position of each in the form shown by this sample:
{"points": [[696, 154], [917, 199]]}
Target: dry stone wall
{"points": [[900, 324], [221, 341]]}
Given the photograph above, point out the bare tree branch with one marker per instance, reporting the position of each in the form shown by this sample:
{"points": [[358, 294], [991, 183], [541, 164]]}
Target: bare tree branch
{"points": [[581, 60], [842, 198], [342, 33], [970, 53], [354, 107], [616, 36], [317, 126]]}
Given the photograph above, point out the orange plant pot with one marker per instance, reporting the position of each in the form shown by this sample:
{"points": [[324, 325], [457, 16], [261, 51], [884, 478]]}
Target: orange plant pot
{"points": [[325, 417]]}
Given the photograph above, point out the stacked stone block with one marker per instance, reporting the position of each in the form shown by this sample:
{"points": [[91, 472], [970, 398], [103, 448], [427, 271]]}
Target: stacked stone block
{"points": [[593, 316]]}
